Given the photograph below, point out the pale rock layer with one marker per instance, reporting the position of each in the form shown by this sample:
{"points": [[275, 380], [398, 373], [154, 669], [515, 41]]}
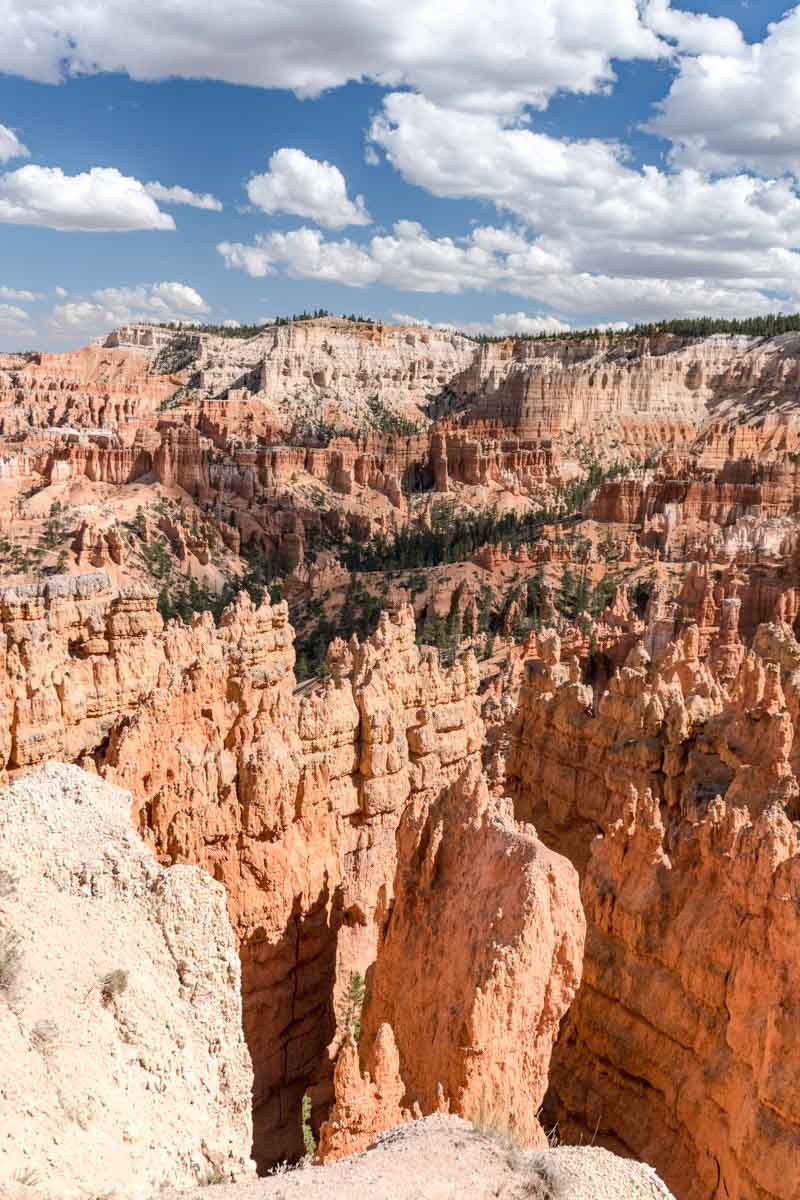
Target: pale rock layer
{"points": [[123, 1067]]}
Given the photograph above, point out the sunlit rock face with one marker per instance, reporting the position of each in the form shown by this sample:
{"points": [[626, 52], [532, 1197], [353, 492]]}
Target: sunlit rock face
{"points": [[676, 797]]}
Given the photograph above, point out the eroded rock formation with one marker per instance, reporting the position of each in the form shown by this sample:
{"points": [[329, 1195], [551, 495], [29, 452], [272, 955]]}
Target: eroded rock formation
{"points": [[478, 962], [292, 800], [680, 1047]]}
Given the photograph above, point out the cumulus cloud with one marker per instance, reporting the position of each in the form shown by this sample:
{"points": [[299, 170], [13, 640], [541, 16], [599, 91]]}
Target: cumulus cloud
{"points": [[694, 33], [306, 187], [108, 307], [409, 259], [182, 195], [10, 145], [7, 293], [584, 193], [14, 321], [586, 215], [732, 108], [496, 56], [101, 200], [501, 324]]}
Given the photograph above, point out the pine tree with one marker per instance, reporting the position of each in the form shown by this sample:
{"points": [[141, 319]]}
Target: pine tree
{"points": [[355, 1003]]}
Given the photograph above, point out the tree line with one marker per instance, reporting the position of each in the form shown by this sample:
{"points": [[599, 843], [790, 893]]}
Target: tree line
{"points": [[251, 330], [768, 326]]}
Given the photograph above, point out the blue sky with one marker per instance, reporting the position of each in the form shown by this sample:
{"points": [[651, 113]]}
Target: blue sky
{"points": [[638, 161]]}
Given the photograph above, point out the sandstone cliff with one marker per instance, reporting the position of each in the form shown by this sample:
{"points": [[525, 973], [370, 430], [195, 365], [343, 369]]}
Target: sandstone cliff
{"points": [[289, 797], [680, 1046], [478, 962], [123, 1065]]}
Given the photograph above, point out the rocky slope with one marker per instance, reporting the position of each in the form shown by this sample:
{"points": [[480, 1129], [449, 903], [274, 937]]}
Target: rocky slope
{"points": [[444, 1158], [123, 1067], [486, 935]]}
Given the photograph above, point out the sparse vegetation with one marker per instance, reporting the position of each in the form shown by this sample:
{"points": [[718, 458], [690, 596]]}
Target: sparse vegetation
{"points": [[27, 1177], [685, 327], [384, 420], [251, 330], [309, 1141], [453, 537], [113, 984], [44, 1035], [355, 1003]]}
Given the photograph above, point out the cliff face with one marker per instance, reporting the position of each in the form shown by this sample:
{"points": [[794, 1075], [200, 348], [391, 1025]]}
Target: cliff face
{"points": [[479, 961], [94, 387], [327, 371], [650, 393], [679, 1047], [292, 800], [124, 1067]]}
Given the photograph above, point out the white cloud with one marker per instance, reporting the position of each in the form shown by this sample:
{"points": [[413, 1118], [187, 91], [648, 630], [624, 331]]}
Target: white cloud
{"points": [[408, 259], [7, 293], [596, 218], [60, 291], [307, 188], [494, 56], [108, 307], [231, 324], [99, 200], [14, 321], [157, 297], [10, 145], [408, 319], [694, 33], [731, 109], [501, 325], [182, 195]]}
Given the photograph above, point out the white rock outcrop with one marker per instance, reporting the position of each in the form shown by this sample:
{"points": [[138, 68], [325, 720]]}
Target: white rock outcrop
{"points": [[123, 1067]]}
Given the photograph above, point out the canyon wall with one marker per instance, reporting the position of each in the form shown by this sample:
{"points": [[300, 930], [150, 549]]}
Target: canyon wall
{"points": [[635, 393], [680, 1046], [348, 820]]}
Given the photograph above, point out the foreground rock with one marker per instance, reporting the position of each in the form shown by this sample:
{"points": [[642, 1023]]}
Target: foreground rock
{"points": [[445, 1158], [122, 1062]]}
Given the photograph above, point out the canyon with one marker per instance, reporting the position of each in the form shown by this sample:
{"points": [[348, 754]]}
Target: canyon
{"points": [[470, 671]]}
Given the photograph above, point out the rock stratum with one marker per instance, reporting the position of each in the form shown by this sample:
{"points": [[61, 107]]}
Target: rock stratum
{"points": [[540, 802]]}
